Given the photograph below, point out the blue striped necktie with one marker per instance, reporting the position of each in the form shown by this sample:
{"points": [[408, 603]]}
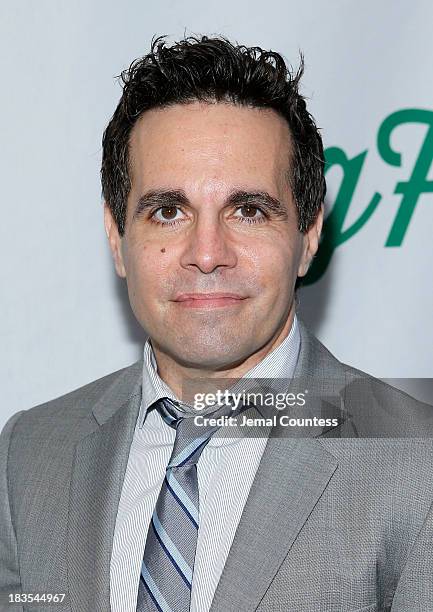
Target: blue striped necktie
{"points": [[169, 553]]}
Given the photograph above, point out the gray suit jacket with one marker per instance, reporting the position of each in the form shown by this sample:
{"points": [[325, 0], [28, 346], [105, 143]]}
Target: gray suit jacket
{"points": [[330, 525]]}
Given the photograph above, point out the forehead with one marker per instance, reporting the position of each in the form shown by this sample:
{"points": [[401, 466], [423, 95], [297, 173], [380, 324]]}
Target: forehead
{"points": [[213, 142]]}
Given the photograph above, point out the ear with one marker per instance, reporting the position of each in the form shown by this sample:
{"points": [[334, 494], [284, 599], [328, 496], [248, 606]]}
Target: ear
{"points": [[115, 241], [311, 243]]}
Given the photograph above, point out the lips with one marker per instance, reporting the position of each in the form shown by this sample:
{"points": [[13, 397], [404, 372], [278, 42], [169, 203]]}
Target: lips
{"points": [[208, 300], [185, 297]]}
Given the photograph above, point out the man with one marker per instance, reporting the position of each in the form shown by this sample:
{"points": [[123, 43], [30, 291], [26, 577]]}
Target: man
{"points": [[213, 184]]}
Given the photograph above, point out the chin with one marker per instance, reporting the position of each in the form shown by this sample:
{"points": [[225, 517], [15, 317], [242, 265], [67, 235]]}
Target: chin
{"points": [[210, 357]]}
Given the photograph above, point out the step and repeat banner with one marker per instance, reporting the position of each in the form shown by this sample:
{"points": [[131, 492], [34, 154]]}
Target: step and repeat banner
{"points": [[65, 317]]}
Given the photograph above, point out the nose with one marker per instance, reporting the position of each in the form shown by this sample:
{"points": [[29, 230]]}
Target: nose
{"points": [[208, 246]]}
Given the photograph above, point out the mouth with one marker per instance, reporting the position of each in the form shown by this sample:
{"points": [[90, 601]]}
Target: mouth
{"points": [[208, 300]]}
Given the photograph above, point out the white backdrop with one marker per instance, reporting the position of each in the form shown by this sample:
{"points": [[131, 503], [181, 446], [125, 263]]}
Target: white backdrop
{"points": [[65, 319]]}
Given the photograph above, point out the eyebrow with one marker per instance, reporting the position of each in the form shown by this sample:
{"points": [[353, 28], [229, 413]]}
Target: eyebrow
{"points": [[176, 197]]}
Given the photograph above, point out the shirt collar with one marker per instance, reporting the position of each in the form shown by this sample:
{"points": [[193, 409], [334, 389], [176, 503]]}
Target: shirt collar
{"points": [[279, 363]]}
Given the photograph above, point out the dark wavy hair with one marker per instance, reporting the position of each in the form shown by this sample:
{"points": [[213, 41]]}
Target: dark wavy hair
{"points": [[214, 70]]}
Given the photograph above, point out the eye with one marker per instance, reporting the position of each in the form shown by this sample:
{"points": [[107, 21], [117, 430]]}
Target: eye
{"points": [[166, 215], [249, 214]]}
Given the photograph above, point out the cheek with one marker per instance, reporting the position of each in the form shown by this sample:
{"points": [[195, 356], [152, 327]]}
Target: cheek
{"points": [[148, 270], [274, 264]]}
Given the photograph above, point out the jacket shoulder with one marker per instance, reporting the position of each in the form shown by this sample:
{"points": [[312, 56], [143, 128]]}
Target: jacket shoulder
{"points": [[78, 404], [376, 408], [382, 410]]}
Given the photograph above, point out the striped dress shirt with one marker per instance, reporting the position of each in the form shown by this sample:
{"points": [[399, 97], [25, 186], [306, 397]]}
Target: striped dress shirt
{"points": [[225, 471]]}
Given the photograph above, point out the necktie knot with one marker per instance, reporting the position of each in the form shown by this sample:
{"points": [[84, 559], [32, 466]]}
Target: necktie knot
{"points": [[169, 412], [191, 439]]}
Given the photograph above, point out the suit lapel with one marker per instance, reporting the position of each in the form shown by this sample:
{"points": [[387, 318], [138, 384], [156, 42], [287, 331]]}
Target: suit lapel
{"points": [[292, 475], [99, 467]]}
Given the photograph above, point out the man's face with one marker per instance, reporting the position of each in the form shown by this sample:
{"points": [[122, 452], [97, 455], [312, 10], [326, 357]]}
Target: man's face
{"points": [[210, 211]]}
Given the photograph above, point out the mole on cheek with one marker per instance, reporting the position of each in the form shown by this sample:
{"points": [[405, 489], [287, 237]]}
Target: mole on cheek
{"points": [[163, 250]]}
